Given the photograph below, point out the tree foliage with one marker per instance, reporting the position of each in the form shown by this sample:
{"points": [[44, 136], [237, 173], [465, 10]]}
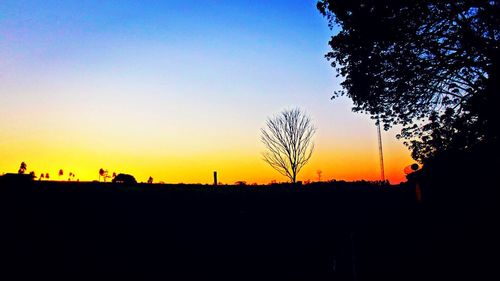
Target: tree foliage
{"points": [[430, 66], [22, 168], [288, 138]]}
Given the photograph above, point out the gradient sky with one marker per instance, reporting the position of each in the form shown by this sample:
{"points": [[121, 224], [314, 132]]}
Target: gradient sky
{"points": [[174, 90]]}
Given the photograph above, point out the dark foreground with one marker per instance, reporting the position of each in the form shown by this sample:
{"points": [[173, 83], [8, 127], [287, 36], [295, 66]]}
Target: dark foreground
{"points": [[165, 232]]}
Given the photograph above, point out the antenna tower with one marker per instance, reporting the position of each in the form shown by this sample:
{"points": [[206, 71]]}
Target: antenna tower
{"points": [[380, 152]]}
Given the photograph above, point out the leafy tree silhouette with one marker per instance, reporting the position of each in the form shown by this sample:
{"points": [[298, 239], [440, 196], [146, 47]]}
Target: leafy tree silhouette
{"points": [[103, 173], [430, 66], [22, 168], [288, 141], [61, 173]]}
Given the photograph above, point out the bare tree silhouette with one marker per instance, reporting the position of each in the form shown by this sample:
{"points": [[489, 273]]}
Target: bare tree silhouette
{"points": [[319, 172], [288, 138], [22, 168]]}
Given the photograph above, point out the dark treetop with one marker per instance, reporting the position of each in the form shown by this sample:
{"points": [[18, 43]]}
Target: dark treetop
{"points": [[431, 66]]}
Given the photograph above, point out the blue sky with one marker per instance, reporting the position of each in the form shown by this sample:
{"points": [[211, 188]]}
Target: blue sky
{"points": [[152, 78]]}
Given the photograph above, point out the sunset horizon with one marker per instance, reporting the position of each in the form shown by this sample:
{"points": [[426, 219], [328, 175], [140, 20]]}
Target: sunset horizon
{"points": [[241, 140], [144, 90]]}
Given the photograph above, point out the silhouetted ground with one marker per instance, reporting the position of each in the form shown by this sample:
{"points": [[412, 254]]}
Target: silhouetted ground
{"points": [[189, 232]]}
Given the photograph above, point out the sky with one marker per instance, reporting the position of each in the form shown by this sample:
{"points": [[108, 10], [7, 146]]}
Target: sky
{"points": [[174, 90]]}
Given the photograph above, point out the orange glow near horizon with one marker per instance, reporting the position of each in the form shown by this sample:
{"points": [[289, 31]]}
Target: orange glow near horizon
{"points": [[147, 90], [194, 170], [193, 159]]}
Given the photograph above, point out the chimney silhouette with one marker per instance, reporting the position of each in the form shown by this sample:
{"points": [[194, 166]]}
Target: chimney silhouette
{"points": [[215, 177]]}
